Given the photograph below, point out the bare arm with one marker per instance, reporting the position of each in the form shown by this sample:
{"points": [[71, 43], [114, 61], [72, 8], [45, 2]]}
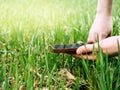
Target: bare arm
{"points": [[102, 24], [104, 7]]}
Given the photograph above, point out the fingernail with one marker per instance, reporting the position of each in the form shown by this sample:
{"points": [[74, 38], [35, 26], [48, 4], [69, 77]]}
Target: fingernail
{"points": [[90, 41], [79, 42]]}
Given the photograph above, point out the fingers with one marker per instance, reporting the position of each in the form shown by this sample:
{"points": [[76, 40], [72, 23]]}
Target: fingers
{"points": [[87, 49], [91, 39], [94, 38], [86, 56], [90, 56]]}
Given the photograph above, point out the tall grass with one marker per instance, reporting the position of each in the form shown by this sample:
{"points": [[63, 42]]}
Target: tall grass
{"points": [[28, 28]]}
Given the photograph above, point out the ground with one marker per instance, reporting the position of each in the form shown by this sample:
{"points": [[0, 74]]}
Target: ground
{"points": [[29, 27]]}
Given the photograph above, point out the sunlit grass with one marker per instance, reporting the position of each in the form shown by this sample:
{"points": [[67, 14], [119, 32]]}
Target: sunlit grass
{"points": [[27, 28]]}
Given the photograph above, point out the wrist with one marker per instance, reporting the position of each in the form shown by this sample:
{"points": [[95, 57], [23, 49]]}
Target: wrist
{"points": [[104, 15], [103, 12]]}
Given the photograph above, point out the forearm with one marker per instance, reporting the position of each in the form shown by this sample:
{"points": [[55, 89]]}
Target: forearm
{"points": [[105, 7]]}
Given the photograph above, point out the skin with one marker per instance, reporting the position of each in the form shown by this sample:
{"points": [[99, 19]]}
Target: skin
{"points": [[101, 27], [107, 47]]}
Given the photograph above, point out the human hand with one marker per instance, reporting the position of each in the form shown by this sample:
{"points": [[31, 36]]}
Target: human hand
{"points": [[102, 26], [109, 46]]}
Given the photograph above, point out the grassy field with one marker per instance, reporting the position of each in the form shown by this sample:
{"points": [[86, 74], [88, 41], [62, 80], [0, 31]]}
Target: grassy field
{"points": [[29, 27]]}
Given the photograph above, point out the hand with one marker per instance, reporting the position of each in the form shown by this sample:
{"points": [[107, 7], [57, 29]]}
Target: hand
{"points": [[102, 26], [109, 46]]}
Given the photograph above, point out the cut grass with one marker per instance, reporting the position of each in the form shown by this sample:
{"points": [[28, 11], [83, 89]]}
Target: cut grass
{"points": [[27, 28]]}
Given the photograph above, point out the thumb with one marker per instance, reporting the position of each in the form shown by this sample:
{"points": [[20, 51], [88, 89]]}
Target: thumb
{"points": [[86, 49], [91, 38]]}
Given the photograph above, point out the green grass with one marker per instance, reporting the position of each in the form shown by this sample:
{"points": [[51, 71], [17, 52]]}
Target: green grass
{"points": [[29, 27]]}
